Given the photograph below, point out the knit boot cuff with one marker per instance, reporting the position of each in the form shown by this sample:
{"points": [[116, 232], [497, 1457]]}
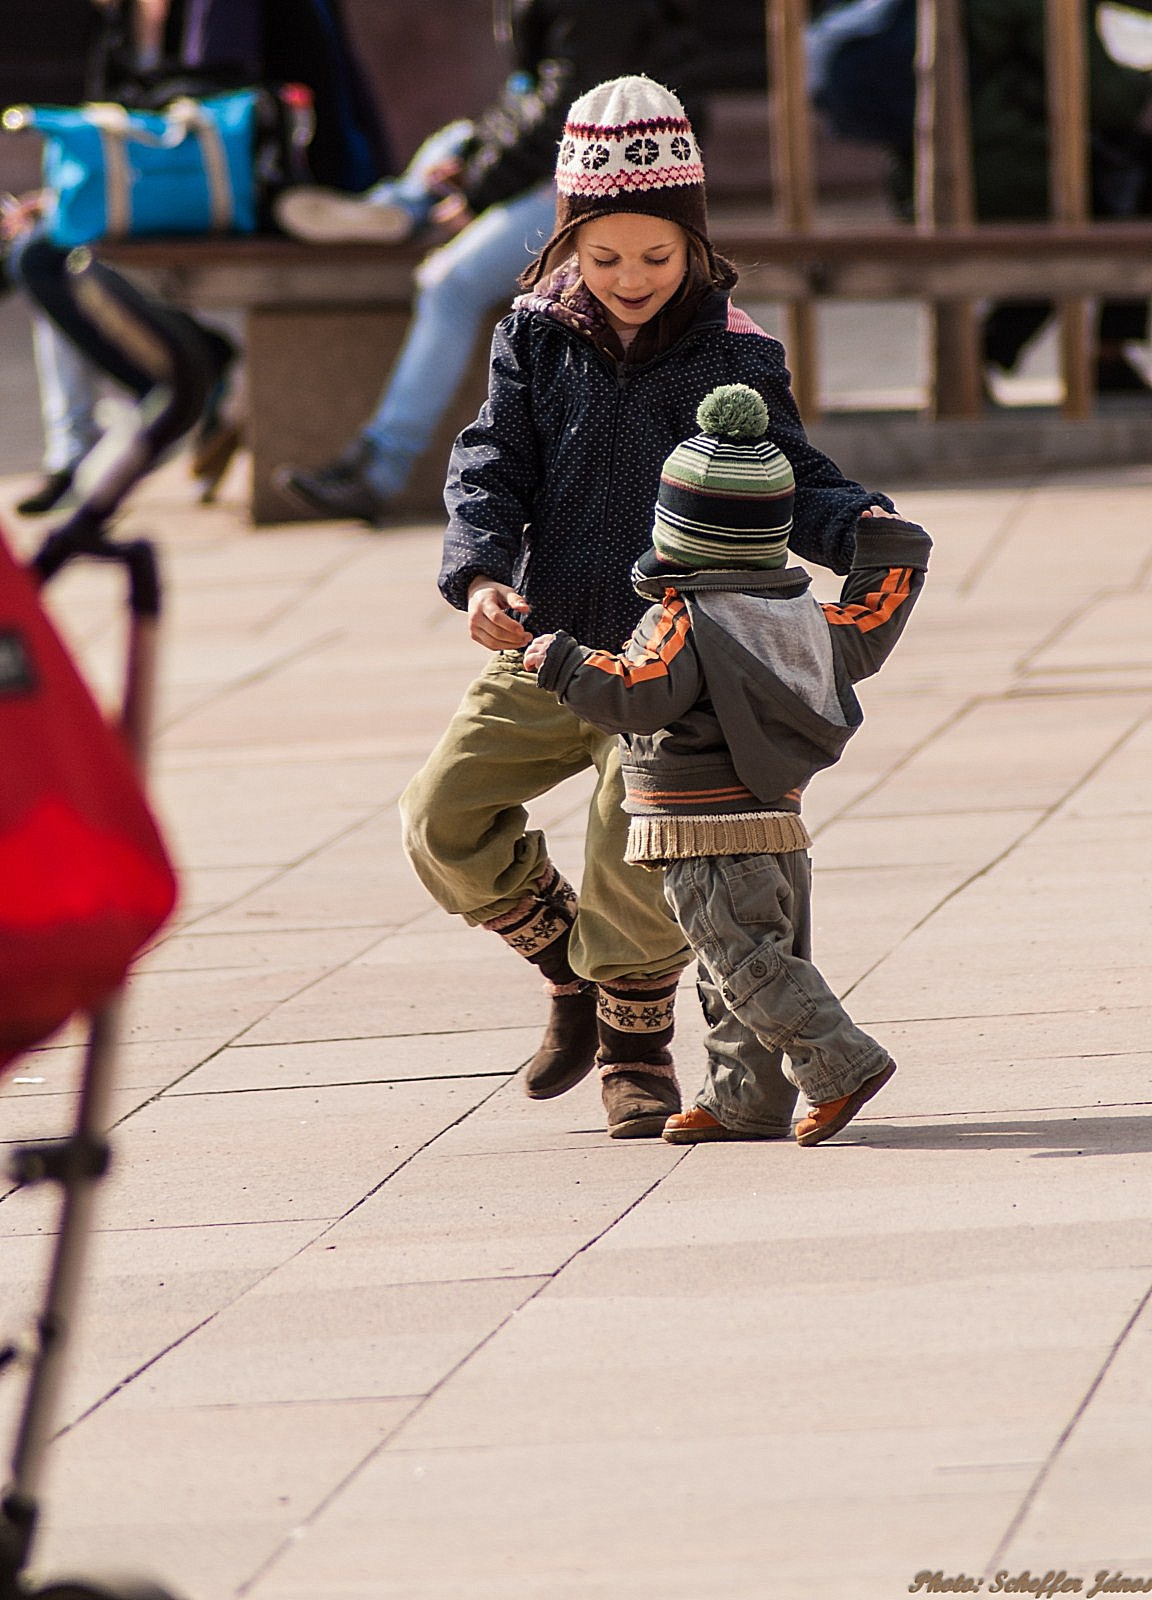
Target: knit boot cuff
{"points": [[655, 1068]]}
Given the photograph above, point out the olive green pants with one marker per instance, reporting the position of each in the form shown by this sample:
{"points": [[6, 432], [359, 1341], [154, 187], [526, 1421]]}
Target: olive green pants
{"points": [[467, 836]]}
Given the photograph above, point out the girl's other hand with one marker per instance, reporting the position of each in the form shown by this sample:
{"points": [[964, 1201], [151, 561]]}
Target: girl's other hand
{"points": [[489, 622]]}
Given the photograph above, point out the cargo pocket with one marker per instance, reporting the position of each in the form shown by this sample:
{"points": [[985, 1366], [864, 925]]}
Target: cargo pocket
{"points": [[764, 986]]}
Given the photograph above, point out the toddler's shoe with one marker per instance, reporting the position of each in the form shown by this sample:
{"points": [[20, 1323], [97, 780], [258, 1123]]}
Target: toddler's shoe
{"points": [[823, 1121], [696, 1126]]}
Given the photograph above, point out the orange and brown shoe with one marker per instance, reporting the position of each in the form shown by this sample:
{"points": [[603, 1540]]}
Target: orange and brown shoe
{"points": [[823, 1121], [696, 1126]]}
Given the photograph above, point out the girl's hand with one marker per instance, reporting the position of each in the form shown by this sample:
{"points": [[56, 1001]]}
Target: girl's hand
{"points": [[879, 511], [536, 651], [489, 623]]}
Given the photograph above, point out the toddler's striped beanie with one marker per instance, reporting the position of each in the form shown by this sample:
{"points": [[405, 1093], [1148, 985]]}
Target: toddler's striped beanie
{"points": [[726, 495]]}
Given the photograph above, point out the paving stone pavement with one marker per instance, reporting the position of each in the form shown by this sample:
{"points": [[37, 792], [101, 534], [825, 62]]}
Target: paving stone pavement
{"points": [[363, 1323]]}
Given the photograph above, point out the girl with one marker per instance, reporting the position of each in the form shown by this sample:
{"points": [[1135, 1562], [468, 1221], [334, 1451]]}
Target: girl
{"points": [[595, 376]]}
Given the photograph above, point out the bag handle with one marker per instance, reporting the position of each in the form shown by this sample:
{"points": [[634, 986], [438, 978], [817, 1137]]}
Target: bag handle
{"points": [[184, 118]]}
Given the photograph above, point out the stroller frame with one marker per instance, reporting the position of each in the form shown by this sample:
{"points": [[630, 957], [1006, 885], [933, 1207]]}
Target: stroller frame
{"points": [[116, 312]]}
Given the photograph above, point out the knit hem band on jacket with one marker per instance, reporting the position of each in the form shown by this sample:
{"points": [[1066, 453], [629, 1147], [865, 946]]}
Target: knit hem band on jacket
{"points": [[654, 839]]}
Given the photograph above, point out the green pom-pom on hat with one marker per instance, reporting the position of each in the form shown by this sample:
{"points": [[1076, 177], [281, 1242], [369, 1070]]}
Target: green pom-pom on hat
{"points": [[733, 411]]}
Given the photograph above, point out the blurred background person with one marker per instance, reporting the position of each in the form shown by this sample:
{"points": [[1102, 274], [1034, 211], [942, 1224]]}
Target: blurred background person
{"points": [[861, 61], [140, 52], [489, 185]]}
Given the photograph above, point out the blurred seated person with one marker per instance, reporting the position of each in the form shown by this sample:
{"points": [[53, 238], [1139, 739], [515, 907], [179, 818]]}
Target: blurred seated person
{"points": [[857, 44], [142, 46], [487, 184]]}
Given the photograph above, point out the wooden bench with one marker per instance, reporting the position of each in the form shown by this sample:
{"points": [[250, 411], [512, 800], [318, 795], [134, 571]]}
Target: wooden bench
{"points": [[324, 322]]}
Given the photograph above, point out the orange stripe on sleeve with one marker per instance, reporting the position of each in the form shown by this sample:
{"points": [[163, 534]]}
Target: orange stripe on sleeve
{"points": [[666, 643], [876, 608]]}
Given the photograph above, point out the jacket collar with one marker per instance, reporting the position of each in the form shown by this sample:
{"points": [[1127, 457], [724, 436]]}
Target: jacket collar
{"points": [[651, 578]]}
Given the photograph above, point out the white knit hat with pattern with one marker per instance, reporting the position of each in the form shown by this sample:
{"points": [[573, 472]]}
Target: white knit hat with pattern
{"points": [[627, 146]]}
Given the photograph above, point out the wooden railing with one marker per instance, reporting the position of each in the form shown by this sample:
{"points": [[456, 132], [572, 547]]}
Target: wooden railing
{"points": [[945, 258]]}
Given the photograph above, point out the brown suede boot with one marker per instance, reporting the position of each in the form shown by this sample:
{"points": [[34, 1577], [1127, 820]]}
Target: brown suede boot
{"points": [[639, 1097], [567, 1052], [638, 1081], [540, 928]]}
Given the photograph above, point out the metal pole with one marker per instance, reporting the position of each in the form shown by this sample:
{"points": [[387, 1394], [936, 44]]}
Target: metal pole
{"points": [[792, 177], [944, 195], [1067, 83]]}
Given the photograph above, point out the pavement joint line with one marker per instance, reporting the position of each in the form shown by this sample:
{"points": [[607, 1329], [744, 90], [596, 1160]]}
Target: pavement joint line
{"points": [[328, 1224], [384, 1444], [245, 680], [1008, 1111], [274, 1005], [951, 721], [1030, 1496], [1039, 691], [340, 1083], [1000, 1016], [1045, 816], [354, 1038], [310, 586], [1065, 623], [131, 1377], [997, 540], [290, 866], [203, 1406]]}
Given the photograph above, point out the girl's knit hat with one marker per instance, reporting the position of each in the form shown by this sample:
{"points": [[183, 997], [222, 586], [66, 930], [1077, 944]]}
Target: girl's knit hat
{"points": [[726, 495], [627, 146]]}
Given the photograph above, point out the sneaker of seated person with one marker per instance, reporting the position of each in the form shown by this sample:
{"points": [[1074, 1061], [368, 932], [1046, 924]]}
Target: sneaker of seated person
{"points": [[340, 490], [325, 216], [49, 495]]}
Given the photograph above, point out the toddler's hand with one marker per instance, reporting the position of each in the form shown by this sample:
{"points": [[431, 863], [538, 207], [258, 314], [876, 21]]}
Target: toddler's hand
{"points": [[879, 511], [537, 650]]}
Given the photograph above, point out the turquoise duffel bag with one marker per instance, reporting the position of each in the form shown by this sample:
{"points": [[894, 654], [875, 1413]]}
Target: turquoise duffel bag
{"points": [[116, 174]]}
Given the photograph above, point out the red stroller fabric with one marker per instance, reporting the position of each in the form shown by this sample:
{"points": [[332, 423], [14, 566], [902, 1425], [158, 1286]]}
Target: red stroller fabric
{"points": [[85, 880]]}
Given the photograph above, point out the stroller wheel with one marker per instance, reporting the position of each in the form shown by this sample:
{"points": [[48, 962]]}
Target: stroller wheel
{"points": [[110, 1589]]}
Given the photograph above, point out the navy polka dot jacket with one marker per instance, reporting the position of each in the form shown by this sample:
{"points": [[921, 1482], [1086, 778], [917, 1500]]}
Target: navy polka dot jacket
{"points": [[552, 488]]}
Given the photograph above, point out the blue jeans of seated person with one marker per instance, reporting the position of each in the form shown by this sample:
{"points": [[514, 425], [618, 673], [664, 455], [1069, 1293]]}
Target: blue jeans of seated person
{"points": [[69, 391], [457, 286], [748, 918], [73, 354], [69, 380]]}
